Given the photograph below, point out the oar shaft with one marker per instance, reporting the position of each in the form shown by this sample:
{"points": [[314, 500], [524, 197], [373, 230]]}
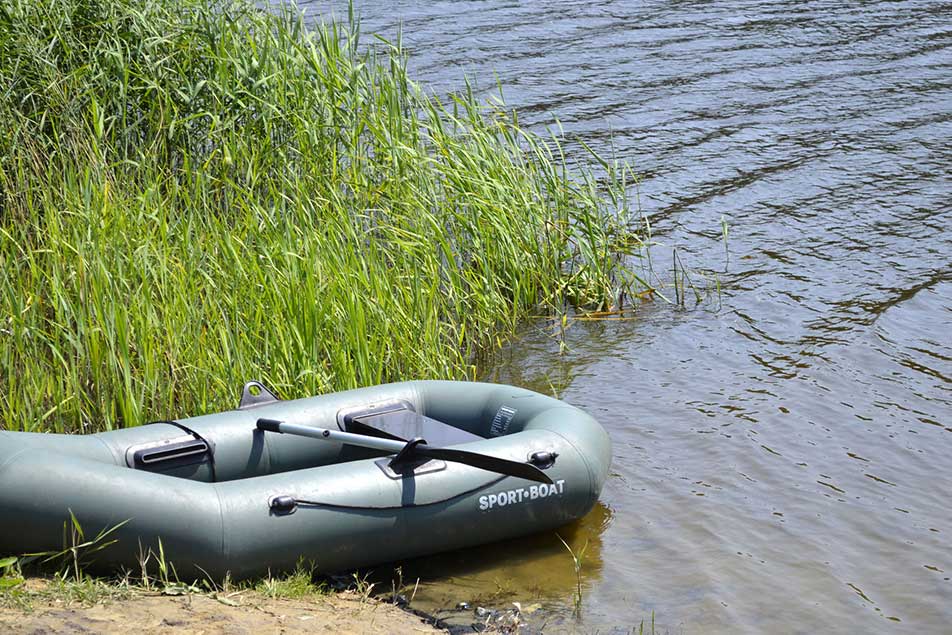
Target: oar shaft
{"points": [[374, 443], [481, 461]]}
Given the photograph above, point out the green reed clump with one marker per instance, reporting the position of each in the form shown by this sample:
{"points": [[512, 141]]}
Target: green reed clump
{"points": [[196, 192]]}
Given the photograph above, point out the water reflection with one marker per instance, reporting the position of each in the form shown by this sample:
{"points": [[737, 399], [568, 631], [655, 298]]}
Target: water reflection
{"points": [[533, 569]]}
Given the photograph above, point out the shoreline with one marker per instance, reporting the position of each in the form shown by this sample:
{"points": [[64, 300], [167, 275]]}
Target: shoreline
{"points": [[49, 607]]}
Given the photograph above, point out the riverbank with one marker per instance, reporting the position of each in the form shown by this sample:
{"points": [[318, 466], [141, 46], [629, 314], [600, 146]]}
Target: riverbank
{"points": [[48, 607]]}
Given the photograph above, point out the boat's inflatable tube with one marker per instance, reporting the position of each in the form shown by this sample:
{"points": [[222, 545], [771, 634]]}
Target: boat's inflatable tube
{"points": [[223, 496]]}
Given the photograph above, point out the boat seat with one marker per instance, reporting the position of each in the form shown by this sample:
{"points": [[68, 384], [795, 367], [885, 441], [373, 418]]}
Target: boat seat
{"points": [[407, 424]]}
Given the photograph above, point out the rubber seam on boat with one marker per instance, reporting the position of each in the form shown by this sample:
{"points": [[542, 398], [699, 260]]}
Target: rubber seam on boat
{"points": [[221, 518], [10, 458], [419, 398], [110, 450]]}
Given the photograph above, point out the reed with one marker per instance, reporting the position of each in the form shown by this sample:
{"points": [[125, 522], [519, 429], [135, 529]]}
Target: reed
{"points": [[194, 193], [577, 559]]}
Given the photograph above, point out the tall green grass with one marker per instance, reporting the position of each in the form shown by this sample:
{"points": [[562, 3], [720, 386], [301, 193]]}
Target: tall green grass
{"points": [[194, 193]]}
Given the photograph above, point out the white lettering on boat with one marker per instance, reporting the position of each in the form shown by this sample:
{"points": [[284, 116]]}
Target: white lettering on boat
{"points": [[521, 495], [501, 421]]}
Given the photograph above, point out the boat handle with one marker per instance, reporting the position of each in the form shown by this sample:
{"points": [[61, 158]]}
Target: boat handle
{"points": [[170, 452]]}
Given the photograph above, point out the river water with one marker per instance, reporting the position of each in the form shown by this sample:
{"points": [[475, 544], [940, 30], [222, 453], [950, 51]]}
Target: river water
{"points": [[782, 450]]}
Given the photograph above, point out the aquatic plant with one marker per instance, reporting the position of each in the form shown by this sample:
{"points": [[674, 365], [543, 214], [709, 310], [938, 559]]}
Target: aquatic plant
{"points": [[198, 192], [577, 559]]}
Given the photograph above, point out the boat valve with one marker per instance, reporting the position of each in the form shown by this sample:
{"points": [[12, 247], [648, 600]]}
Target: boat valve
{"points": [[282, 505], [543, 460]]}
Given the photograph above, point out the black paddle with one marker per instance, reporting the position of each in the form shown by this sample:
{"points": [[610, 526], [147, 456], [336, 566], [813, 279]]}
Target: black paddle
{"points": [[408, 450]]}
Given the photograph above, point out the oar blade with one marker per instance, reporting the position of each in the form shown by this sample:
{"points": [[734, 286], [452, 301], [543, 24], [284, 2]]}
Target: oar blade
{"points": [[486, 462]]}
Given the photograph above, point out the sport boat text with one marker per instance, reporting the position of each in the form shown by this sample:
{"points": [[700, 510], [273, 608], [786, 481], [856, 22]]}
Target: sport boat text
{"points": [[521, 495]]}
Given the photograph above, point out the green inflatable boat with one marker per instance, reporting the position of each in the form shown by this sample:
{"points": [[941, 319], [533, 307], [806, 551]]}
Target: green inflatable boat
{"points": [[342, 480]]}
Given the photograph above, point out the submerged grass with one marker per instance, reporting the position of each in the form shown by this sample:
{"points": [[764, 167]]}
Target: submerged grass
{"points": [[195, 192]]}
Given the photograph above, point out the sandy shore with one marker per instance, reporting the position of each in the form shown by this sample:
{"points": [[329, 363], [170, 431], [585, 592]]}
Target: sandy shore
{"points": [[236, 613]]}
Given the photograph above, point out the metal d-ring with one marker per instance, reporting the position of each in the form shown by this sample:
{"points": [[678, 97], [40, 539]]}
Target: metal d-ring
{"points": [[256, 394]]}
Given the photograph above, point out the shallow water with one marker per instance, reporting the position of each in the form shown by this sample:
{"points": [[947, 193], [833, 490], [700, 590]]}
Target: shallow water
{"points": [[783, 453]]}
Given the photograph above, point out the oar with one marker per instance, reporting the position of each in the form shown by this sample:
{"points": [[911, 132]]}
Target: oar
{"points": [[407, 449]]}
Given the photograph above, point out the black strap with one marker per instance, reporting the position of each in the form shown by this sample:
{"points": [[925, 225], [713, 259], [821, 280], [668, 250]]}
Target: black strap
{"points": [[284, 505]]}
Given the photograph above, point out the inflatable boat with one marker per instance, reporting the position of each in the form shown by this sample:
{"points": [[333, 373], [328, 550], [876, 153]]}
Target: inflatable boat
{"points": [[341, 481]]}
